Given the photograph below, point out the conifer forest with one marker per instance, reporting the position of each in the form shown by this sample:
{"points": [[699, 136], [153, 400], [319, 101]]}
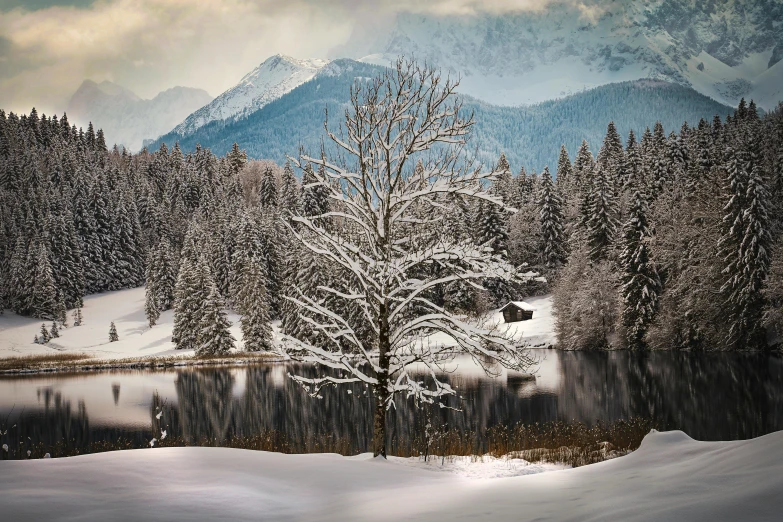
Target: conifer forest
{"points": [[666, 240]]}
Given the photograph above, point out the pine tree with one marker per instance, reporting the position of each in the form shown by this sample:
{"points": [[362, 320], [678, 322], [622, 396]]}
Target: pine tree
{"points": [[564, 170], [45, 335], [151, 306], [289, 190], [745, 245], [43, 298], [236, 159], [503, 184], [54, 331], [267, 193], [190, 295], [641, 284], [113, 337], [551, 212], [77, 317], [602, 218], [214, 337], [256, 330]]}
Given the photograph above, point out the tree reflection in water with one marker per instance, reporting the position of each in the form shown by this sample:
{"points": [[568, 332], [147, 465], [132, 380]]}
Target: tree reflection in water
{"points": [[711, 396]]}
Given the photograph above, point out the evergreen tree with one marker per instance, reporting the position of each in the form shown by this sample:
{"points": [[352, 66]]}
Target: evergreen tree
{"points": [[550, 209], [113, 337], [267, 193], [564, 170], [256, 330], [190, 296], [289, 190], [214, 337], [641, 284], [77, 317], [602, 219], [745, 245], [43, 298], [54, 332], [45, 335], [237, 159]]}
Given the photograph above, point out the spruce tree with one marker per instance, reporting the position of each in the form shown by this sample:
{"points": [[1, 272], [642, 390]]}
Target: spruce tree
{"points": [[190, 295], [289, 190], [43, 302], [564, 170], [113, 337], [601, 220], [54, 331], [745, 245], [256, 330], [641, 284], [214, 337], [551, 213], [267, 192], [45, 335]]}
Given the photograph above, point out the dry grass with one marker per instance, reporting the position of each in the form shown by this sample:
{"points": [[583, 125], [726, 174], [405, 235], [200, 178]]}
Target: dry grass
{"points": [[41, 361], [79, 362], [572, 444]]}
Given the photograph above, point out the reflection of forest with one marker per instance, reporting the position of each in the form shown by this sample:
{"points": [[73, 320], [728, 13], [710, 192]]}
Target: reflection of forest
{"points": [[710, 396]]}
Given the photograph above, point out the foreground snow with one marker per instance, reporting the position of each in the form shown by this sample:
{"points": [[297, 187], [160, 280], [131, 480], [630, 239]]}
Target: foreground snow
{"points": [[137, 339], [671, 477]]}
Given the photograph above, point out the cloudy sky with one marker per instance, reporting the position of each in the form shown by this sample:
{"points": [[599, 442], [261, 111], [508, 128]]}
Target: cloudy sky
{"points": [[48, 47]]}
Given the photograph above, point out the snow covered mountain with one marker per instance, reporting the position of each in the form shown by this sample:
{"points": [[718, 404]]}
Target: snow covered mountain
{"points": [[269, 81], [127, 119], [726, 49]]}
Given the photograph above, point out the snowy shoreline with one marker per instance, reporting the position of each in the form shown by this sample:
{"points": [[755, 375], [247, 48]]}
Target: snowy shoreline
{"points": [[670, 477], [141, 347]]}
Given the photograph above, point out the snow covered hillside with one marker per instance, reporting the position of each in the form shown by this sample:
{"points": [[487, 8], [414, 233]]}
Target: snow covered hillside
{"points": [[124, 307], [269, 81], [670, 477], [137, 339], [127, 119], [725, 49]]}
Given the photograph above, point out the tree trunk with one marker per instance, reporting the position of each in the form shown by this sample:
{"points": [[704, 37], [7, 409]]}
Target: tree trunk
{"points": [[382, 388]]}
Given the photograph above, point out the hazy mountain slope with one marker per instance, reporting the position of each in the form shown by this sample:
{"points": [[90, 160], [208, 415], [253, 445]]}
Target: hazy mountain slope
{"points": [[725, 49], [125, 118], [269, 81], [529, 136]]}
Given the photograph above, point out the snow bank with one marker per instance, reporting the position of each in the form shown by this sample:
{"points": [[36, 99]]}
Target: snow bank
{"points": [[671, 477]]}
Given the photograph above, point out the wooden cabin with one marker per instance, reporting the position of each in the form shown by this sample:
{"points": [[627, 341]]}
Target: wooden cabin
{"points": [[517, 311]]}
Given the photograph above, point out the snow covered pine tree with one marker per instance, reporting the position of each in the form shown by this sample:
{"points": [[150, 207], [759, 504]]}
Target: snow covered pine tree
{"points": [[375, 235]]}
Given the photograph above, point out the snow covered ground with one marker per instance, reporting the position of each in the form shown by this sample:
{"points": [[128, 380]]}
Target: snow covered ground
{"points": [[137, 339], [670, 477]]}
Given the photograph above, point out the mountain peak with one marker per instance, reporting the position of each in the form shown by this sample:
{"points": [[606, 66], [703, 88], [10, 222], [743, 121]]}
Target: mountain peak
{"points": [[274, 77]]}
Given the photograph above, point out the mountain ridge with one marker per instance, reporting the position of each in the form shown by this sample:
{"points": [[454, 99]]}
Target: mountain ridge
{"points": [[127, 119], [529, 135]]}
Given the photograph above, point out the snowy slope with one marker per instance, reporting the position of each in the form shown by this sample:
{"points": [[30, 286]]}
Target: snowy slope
{"points": [[137, 339], [269, 81], [124, 307], [127, 119], [670, 477], [725, 49]]}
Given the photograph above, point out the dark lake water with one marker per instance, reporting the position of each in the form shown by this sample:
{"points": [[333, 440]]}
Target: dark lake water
{"points": [[710, 396]]}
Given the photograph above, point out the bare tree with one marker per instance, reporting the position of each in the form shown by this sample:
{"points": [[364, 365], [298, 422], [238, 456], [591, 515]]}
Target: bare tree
{"points": [[400, 169]]}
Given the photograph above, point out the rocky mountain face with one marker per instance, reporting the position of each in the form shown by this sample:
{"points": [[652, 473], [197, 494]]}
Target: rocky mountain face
{"points": [[127, 119], [269, 81], [725, 49]]}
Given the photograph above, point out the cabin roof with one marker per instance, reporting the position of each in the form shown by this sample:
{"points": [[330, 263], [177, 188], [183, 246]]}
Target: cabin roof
{"points": [[521, 305]]}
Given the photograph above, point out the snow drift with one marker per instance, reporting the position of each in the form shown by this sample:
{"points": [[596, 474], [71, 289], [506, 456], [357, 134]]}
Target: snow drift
{"points": [[670, 477]]}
